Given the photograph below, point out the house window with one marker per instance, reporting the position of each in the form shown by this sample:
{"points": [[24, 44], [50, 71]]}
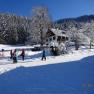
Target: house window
{"points": [[59, 38], [66, 38], [50, 39], [63, 38], [63, 32], [47, 40], [54, 38]]}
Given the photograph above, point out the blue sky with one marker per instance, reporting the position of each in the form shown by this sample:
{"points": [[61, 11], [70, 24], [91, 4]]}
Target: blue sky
{"points": [[58, 8]]}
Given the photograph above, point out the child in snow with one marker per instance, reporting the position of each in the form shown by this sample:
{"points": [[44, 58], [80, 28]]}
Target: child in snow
{"points": [[14, 56], [11, 54], [2, 52], [43, 55]]}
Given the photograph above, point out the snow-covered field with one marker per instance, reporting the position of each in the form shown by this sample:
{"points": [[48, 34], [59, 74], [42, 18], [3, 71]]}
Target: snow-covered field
{"points": [[72, 73]]}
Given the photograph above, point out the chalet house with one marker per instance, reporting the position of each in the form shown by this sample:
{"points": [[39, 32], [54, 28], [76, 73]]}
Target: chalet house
{"points": [[54, 37]]}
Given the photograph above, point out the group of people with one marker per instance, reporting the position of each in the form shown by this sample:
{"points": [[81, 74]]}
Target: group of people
{"points": [[13, 55]]}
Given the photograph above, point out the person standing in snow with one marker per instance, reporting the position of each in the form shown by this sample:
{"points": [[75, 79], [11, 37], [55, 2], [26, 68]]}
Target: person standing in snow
{"points": [[23, 54], [14, 56], [11, 54], [43, 55], [2, 52]]}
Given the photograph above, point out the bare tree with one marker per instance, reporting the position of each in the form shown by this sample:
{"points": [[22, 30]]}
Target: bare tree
{"points": [[41, 21]]}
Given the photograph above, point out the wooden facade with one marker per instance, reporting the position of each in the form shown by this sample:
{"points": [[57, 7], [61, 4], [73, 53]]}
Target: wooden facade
{"points": [[54, 35]]}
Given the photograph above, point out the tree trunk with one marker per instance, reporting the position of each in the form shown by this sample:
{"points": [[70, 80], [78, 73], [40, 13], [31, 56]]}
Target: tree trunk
{"points": [[90, 44], [76, 45], [41, 37]]}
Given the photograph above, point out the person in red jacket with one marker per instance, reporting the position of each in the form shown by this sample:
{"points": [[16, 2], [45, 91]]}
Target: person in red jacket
{"points": [[23, 54]]}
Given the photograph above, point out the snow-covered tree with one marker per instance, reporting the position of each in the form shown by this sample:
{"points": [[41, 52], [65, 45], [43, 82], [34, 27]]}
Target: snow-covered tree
{"points": [[13, 28], [41, 21]]}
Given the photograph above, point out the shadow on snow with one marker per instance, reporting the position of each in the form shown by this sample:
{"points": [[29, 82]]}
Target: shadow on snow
{"points": [[75, 77]]}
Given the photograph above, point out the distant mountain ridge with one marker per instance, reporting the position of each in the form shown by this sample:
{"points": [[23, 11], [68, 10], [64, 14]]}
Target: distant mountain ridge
{"points": [[84, 18]]}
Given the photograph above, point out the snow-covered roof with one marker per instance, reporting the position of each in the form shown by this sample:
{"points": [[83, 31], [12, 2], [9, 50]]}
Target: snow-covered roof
{"points": [[58, 32]]}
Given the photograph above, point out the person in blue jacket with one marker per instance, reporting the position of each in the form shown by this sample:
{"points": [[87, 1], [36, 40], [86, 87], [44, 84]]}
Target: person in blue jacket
{"points": [[43, 55]]}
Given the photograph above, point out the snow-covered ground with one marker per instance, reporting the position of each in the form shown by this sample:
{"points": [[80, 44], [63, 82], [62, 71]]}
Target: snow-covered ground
{"points": [[9, 47], [72, 73], [34, 58]]}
